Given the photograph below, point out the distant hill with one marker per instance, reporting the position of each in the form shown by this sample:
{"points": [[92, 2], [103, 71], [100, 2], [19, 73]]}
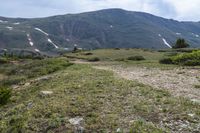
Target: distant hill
{"points": [[108, 28]]}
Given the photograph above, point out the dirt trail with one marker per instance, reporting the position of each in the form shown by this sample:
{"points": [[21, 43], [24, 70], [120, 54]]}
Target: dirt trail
{"points": [[179, 82]]}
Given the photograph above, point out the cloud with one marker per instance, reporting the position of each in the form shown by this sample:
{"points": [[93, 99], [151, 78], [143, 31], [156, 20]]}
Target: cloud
{"points": [[181, 10]]}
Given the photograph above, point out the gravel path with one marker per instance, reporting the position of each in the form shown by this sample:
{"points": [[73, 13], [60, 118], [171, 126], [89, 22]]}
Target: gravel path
{"points": [[180, 82]]}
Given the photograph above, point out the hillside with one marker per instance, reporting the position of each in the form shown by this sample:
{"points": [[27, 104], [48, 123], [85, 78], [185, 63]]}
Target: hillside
{"points": [[110, 28], [71, 94]]}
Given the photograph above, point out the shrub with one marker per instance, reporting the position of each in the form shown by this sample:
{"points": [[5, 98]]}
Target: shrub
{"points": [[93, 59], [190, 59], [166, 61], [3, 60], [136, 58], [88, 53], [5, 95]]}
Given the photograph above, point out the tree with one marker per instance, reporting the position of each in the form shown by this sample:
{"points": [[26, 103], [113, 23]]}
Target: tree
{"points": [[181, 43]]}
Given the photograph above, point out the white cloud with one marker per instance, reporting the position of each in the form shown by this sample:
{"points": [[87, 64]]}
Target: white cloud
{"points": [[177, 9]]}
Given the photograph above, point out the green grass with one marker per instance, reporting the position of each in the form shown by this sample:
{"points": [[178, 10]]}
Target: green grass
{"points": [[113, 54], [27, 69], [105, 102]]}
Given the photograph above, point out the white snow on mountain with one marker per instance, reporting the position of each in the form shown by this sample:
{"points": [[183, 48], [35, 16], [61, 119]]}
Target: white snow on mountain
{"points": [[166, 43], [10, 28], [38, 29], [49, 40], [29, 39]]}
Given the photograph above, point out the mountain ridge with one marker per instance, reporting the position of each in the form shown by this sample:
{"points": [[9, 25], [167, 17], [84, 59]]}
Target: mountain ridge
{"points": [[108, 28]]}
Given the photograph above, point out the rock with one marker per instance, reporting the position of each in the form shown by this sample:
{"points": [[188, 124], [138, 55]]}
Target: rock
{"points": [[191, 115], [30, 105], [76, 121], [196, 101], [46, 93], [43, 78], [118, 130], [15, 86], [27, 84]]}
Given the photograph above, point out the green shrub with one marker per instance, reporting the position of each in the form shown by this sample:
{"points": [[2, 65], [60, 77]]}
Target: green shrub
{"points": [[5, 95], [3, 60], [88, 53], [189, 59], [166, 61], [136, 58], [93, 59]]}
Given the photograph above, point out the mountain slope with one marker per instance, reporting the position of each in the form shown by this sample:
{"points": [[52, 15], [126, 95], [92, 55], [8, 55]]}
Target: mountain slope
{"points": [[100, 29]]}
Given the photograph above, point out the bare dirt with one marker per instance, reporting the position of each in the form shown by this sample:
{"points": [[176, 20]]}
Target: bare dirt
{"points": [[178, 81]]}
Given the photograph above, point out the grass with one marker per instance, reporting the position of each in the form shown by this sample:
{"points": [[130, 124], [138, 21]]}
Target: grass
{"points": [[106, 103], [120, 57], [31, 68], [113, 54]]}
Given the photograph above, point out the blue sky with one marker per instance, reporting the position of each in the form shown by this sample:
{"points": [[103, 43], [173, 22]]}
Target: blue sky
{"points": [[187, 10]]}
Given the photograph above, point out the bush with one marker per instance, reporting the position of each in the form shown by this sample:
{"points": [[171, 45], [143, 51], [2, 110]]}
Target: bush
{"points": [[94, 59], [5, 95], [166, 61], [136, 58], [88, 53], [3, 60], [189, 59]]}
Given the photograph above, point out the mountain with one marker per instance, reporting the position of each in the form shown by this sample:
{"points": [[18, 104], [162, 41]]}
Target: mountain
{"points": [[108, 28]]}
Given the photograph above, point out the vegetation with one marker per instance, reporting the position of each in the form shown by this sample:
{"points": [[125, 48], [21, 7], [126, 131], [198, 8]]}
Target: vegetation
{"points": [[105, 102], [5, 95], [181, 43], [93, 59], [136, 58], [32, 68], [187, 59]]}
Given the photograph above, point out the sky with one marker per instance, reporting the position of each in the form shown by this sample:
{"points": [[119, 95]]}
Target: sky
{"points": [[183, 10]]}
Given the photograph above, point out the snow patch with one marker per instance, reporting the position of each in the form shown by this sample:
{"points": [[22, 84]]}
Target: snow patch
{"points": [[66, 48], [195, 35], [68, 39], [166, 43], [49, 40], [16, 23], [159, 35], [178, 33], [1, 21], [38, 29], [29, 39], [10, 28], [37, 50], [111, 26]]}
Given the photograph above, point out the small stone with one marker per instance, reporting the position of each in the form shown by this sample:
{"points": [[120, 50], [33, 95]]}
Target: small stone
{"points": [[30, 105], [191, 115], [46, 93], [26, 84], [195, 101], [76, 121], [118, 130]]}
